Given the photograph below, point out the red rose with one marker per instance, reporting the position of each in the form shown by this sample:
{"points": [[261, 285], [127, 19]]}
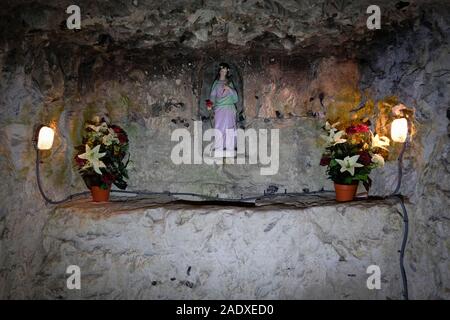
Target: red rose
{"points": [[350, 130], [122, 138], [359, 128], [117, 129], [325, 161], [80, 162], [362, 128], [108, 178], [364, 158], [209, 104]]}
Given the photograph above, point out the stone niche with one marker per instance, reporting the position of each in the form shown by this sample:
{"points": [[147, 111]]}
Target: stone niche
{"points": [[152, 94], [208, 74]]}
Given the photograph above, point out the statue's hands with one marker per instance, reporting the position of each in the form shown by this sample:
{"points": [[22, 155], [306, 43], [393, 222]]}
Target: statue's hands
{"points": [[226, 88]]}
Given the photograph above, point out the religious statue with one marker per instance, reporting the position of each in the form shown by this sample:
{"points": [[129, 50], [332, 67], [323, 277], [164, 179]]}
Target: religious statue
{"points": [[223, 97]]}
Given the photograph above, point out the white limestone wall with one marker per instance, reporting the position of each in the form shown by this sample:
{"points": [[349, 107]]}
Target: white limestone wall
{"points": [[207, 252]]}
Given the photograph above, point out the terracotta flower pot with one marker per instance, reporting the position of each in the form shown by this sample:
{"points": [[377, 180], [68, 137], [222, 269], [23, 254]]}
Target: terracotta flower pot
{"points": [[99, 194], [345, 192]]}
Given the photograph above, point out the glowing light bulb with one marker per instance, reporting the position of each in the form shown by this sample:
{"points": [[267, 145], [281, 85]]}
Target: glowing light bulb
{"points": [[399, 130], [45, 138]]}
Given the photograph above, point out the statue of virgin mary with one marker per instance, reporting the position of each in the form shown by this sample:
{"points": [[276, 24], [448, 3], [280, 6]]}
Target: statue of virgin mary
{"points": [[224, 97]]}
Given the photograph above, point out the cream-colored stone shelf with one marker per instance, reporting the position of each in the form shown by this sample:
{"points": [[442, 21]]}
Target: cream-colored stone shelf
{"points": [[123, 204]]}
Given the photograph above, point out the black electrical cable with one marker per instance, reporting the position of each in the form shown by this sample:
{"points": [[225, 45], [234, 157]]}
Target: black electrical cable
{"points": [[47, 199], [400, 167], [404, 216], [403, 247]]}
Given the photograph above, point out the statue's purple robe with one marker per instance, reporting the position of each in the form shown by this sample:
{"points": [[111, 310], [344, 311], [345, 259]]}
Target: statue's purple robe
{"points": [[224, 116]]}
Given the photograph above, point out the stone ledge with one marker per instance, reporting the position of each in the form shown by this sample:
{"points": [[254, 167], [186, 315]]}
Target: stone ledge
{"points": [[162, 249], [121, 205]]}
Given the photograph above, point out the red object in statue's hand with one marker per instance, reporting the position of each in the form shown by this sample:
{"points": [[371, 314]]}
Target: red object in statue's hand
{"points": [[209, 104]]}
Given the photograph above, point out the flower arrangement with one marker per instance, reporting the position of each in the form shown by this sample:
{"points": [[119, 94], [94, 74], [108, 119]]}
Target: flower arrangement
{"points": [[352, 152], [100, 159]]}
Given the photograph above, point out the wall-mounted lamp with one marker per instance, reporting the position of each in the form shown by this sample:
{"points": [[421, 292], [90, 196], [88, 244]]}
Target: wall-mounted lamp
{"points": [[45, 138], [399, 130]]}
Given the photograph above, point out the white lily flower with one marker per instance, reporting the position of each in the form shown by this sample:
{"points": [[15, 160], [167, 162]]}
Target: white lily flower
{"points": [[102, 127], [349, 164], [93, 157], [337, 137], [96, 119], [110, 138], [378, 160], [329, 126], [334, 137], [380, 142]]}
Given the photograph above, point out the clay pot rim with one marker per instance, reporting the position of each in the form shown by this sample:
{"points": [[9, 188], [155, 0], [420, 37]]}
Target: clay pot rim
{"points": [[351, 184], [109, 187]]}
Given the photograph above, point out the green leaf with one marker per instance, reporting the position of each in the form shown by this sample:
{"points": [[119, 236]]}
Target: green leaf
{"points": [[367, 184], [348, 180]]}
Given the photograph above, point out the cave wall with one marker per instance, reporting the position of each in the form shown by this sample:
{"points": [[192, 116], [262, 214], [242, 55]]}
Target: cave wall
{"points": [[140, 250], [415, 67], [153, 91]]}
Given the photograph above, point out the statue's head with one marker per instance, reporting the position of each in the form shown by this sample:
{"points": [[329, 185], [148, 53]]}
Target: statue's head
{"points": [[224, 70]]}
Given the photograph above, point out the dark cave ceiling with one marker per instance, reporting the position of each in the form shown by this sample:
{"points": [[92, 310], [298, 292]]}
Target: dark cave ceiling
{"points": [[301, 27]]}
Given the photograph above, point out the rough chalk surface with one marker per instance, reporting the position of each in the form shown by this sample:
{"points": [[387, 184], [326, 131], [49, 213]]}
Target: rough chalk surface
{"points": [[142, 250]]}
